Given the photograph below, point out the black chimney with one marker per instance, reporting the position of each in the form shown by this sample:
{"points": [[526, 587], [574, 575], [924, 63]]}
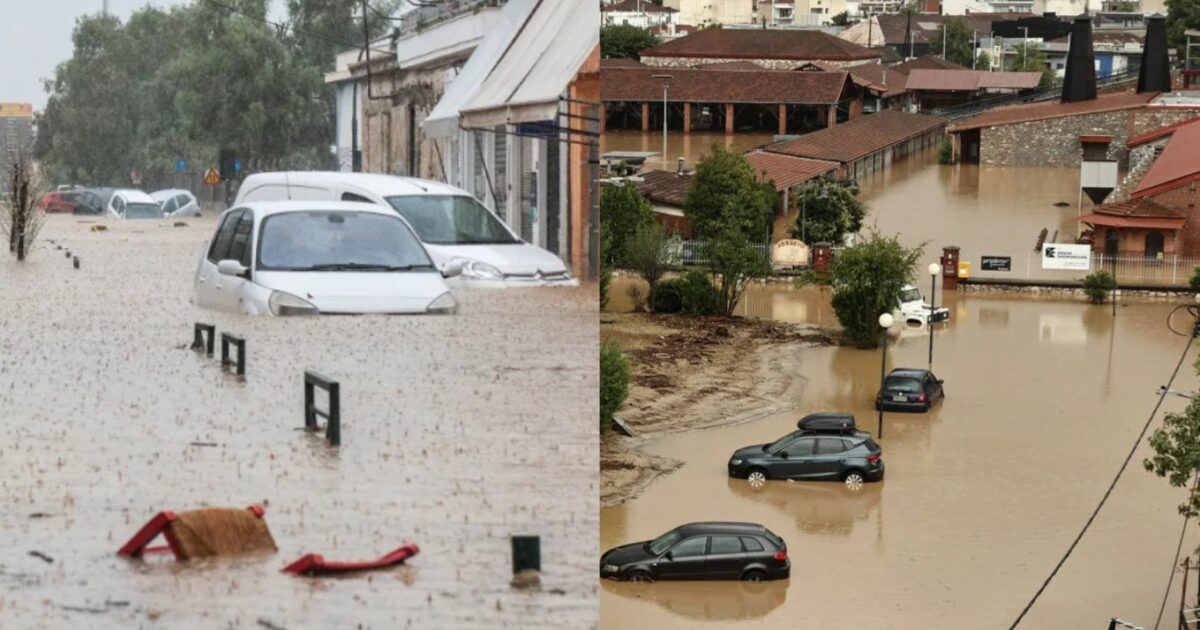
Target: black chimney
{"points": [[1079, 83], [1155, 74]]}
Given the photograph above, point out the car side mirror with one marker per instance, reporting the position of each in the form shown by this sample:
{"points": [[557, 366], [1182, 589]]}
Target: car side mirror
{"points": [[231, 268], [452, 269], [669, 556], [783, 454]]}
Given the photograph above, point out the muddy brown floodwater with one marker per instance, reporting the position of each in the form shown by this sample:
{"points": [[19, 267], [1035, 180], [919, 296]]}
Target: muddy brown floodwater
{"points": [[691, 146], [982, 496], [457, 432]]}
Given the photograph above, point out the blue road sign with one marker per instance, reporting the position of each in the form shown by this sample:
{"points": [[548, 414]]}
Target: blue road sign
{"points": [[181, 165], [237, 166]]}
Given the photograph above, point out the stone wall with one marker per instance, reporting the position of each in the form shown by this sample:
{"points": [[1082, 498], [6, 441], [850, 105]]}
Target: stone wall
{"points": [[408, 97]]}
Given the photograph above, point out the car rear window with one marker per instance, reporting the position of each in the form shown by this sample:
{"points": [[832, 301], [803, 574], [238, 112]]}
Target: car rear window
{"points": [[902, 384], [724, 544], [775, 540], [829, 446], [752, 544], [872, 444]]}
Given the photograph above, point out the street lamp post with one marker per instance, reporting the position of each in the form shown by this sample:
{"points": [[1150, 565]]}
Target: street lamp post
{"points": [[934, 270], [666, 79], [1025, 47], [885, 322]]}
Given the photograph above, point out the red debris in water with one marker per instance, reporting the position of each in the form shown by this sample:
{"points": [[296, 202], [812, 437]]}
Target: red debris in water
{"points": [[316, 564]]}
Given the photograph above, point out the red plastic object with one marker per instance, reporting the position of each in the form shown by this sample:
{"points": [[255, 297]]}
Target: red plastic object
{"points": [[161, 524], [316, 564]]}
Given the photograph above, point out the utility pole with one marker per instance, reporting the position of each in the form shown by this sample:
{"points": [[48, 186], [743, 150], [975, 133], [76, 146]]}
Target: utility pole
{"points": [[943, 42], [104, 8]]}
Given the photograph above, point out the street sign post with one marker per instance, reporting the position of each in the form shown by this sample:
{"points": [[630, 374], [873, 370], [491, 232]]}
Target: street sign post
{"points": [[181, 165], [995, 263], [212, 177]]}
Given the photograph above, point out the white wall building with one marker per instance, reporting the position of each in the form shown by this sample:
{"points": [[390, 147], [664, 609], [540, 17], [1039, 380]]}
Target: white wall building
{"points": [[709, 12], [640, 13]]}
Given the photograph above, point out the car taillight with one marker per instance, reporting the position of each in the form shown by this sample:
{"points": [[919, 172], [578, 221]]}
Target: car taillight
{"points": [[782, 555], [921, 398], [873, 457]]}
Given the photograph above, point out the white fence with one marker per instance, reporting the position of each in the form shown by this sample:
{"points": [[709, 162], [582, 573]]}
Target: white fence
{"points": [[1170, 270], [692, 252]]}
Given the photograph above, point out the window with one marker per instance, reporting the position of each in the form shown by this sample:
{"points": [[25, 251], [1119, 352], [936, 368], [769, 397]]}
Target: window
{"points": [[239, 250], [182, 200], [801, 447], [725, 545], [830, 446], [353, 197], [664, 542], [322, 240], [752, 544], [902, 384], [170, 206], [690, 548], [451, 220], [220, 246]]}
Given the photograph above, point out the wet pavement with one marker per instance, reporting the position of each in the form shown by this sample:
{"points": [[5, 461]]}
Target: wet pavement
{"points": [[983, 494], [457, 432]]}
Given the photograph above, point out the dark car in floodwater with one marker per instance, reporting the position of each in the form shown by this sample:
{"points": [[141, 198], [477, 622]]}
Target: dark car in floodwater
{"points": [[701, 551], [853, 458], [909, 389]]}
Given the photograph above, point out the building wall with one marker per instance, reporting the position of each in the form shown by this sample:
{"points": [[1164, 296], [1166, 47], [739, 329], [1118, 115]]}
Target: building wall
{"points": [[392, 139], [709, 12], [1055, 142]]}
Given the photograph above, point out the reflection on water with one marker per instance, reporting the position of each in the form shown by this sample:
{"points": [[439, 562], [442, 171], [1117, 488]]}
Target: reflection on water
{"points": [[824, 508], [707, 601]]}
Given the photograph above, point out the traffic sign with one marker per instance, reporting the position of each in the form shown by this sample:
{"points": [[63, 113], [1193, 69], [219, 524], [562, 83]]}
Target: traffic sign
{"points": [[212, 177], [237, 166], [181, 165], [135, 178]]}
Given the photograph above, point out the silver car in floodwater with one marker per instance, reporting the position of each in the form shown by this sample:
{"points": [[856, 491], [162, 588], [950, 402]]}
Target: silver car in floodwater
{"points": [[307, 258]]}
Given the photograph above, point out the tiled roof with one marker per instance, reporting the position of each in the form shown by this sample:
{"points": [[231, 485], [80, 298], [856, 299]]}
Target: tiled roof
{"points": [[733, 43], [1139, 207], [1156, 223], [1178, 164], [927, 62], [1054, 109], [731, 65], [889, 82], [637, 6], [1151, 136], [722, 86], [665, 187], [859, 137], [971, 80], [785, 170], [889, 29]]}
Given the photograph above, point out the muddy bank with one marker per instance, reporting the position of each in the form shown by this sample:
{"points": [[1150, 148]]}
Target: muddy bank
{"points": [[457, 432], [691, 373]]}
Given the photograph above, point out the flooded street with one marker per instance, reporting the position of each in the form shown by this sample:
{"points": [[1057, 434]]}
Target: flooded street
{"points": [[457, 432], [983, 494], [691, 146]]}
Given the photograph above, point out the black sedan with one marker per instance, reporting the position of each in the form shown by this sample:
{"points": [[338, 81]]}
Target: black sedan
{"points": [[701, 551], [908, 389], [854, 459]]}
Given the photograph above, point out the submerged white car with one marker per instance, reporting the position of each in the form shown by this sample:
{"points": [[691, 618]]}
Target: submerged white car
{"points": [[307, 258], [455, 228], [177, 202], [912, 308], [132, 204]]}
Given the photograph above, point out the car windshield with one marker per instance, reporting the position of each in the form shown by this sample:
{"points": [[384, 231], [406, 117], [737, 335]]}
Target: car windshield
{"points": [[451, 220], [143, 211], [902, 384], [780, 443], [910, 295], [319, 240], [662, 543]]}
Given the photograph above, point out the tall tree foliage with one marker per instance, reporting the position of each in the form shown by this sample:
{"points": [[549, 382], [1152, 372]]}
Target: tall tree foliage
{"points": [[624, 41], [1029, 58], [1182, 15], [957, 35], [827, 211], [867, 279]]}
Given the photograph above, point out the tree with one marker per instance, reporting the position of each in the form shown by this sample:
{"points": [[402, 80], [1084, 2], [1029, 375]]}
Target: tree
{"points": [[623, 211], [827, 211], [1029, 58], [733, 259], [19, 214], [1098, 285], [625, 41], [867, 279], [1177, 453], [614, 381], [1182, 15], [727, 195], [983, 61], [646, 254], [841, 19], [957, 35]]}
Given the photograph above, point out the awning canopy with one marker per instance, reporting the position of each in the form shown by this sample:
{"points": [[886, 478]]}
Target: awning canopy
{"points": [[443, 120], [535, 70], [1151, 223]]}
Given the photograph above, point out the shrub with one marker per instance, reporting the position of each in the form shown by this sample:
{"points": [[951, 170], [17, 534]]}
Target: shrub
{"points": [[614, 381], [646, 254], [697, 294], [867, 279], [1098, 285], [1195, 281], [945, 151], [668, 298], [605, 278]]}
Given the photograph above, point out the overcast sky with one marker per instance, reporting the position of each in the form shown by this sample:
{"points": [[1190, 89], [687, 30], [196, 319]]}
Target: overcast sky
{"points": [[35, 36]]}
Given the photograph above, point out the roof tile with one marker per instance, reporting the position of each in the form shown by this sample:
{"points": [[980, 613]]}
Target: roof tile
{"points": [[734, 43], [859, 137]]}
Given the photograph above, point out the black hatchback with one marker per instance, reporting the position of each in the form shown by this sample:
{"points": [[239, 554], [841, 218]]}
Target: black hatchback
{"points": [[909, 389], [701, 551], [853, 458]]}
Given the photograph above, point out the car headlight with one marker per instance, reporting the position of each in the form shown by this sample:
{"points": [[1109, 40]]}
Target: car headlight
{"points": [[287, 304], [445, 304], [480, 270], [609, 568], [735, 462]]}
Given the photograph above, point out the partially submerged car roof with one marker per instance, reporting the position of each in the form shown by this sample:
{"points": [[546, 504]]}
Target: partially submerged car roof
{"points": [[267, 208], [721, 527], [376, 183], [908, 372], [134, 195]]}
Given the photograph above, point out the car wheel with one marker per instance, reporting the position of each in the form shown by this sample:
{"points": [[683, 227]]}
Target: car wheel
{"points": [[754, 575], [757, 477], [854, 480], [640, 576]]}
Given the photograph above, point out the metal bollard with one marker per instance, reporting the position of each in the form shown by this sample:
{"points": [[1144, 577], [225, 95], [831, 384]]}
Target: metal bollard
{"points": [[333, 415], [227, 340], [526, 553], [200, 331], [76, 262]]}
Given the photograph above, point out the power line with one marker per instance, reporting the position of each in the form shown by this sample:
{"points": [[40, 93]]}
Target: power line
{"points": [[1195, 330], [1174, 563]]}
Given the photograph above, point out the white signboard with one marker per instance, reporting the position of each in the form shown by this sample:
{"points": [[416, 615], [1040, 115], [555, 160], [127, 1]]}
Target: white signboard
{"points": [[790, 253], [1067, 256]]}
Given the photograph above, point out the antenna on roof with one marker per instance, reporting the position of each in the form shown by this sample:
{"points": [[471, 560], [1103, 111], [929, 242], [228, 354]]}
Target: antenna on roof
{"points": [[416, 182]]}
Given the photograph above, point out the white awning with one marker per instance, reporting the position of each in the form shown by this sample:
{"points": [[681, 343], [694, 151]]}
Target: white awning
{"points": [[443, 120], [535, 71]]}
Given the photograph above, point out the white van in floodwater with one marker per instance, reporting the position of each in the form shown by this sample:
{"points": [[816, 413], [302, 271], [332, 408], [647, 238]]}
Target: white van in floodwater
{"points": [[454, 227]]}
